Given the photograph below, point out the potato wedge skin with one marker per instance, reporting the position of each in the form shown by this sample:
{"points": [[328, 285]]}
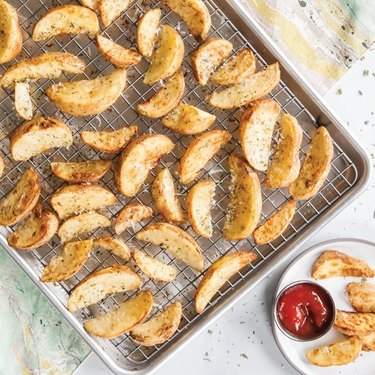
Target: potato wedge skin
{"points": [[131, 214], [362, 296], [114, 246], [22, 100], [355, 323], [147, 30], [111, 9]]}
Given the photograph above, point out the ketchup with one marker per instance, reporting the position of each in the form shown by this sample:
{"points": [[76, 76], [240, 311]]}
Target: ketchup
{"points": [[305, 310]]}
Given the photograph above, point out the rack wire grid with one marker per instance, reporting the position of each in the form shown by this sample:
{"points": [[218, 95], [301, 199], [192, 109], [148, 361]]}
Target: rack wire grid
{"points": [[341, 178]]}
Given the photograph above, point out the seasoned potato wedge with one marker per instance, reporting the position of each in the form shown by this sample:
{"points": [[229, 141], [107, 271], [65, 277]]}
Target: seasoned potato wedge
{"points": [[285, 163], [218, 274], [122, 318], [147, 31], [154, 268], [175, 241], [368, 342], [114, 246], [73, 199], [111, 9], [132, 214], [92, 4], [255, 87], [21, 200], [245, 200], [354, 323], [37, 136], [200, 151], [338, 354], [138, 159], [35, 231], [165, 99], [333, 263], [362, 296], [199, 202], [68, 263], [167, 57], [160, 327], [99, 284], [66, 19], [22, 100]]}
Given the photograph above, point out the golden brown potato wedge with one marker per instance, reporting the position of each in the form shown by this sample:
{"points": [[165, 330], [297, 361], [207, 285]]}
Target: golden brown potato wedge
{"points": [[175, 241], [362, 296], [218, 274], [147, 31], [355, 323], [122, 318], [160, 327], [245, 200], [132, 214], [200, 151], [21, 200], [92, 4], [22, 100], [255, 87], [111, 9], [101, 283], [138, 159], [368, 342], [114, 246]]}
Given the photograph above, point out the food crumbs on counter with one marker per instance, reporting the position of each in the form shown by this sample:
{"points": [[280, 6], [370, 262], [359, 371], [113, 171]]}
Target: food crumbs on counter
{"points": [[360, 92], [209, 331], [339, 92], [243, 355], [366, 72]]}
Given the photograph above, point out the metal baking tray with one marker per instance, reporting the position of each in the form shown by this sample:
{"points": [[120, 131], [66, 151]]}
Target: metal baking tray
{"points": [[349, 174]]}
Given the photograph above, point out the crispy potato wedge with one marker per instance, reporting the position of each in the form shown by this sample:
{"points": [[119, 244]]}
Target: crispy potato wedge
{"points": [[218, 274], [92, 4], [275, 225], [22, 100], [333, 263], [37, 136], [200, 151], [285, 164], [368, 342], [72, 199], [165, 198], [362, 296], [66, 19], [147, 31], [355, 323], [338, 354], [111, 9], [68, 263], [109, 141], [255, 87], [35, 231], [315, 167], [132, 214], [199, 202], [81, 224], [154, 268], [165, 99], [175, 241], [160, 327], [122, 318], [167, 56], [245, 200], [88, 97], [99, 284], [114, 246], [21, 200], [239, 68], [138, 159]]}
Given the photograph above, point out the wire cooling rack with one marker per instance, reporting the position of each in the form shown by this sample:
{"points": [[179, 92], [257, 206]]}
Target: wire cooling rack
{"points": [[342, 177]]}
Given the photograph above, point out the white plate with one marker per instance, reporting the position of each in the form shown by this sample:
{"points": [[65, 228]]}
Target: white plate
{"points": [[300, 269]]}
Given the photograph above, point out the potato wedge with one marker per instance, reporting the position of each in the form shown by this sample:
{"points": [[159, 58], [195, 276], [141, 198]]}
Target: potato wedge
{"points": [[99, 284], [92, 4], [188, 120], [165, 198], [66, 19], [72, 199], [81, 224], [160, 327], [21, 200], [165, 99], [154, 268], [132, 214], [245, 200], [122, 318], [338, 354], [88, 97], [114, 246], [109, 141], [355, 323], [35, 231], [255, 87], [218, 274], [167, 57], [117, 55], [79, 172], [175, 241], [37, 136], [22, 100], [275, 225], [199, 202], [138, 159], [362, 296], [285, 163], [147, 31], [239, 68], [111, 9], [368, 342], [68, 263], [200, 151], [333, 263]]}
